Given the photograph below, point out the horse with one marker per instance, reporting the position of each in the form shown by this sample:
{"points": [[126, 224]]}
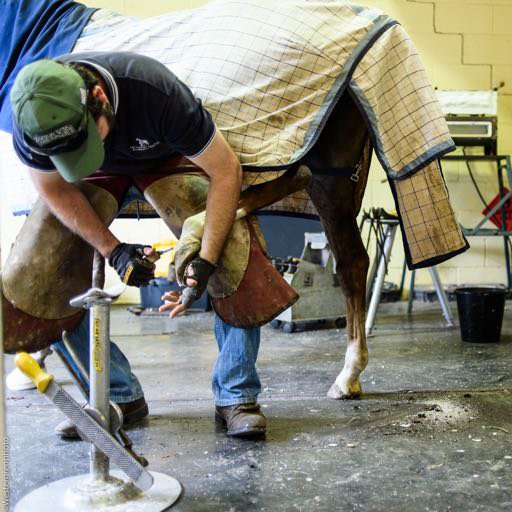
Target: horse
{"points": [[338, 159]]}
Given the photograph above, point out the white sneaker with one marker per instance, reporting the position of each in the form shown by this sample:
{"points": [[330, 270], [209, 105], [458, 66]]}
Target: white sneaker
{"points": [[18, 381]]}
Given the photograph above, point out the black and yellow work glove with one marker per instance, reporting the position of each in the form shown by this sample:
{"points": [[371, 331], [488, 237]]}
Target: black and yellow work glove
{"points": [[200, 271], [129, 262]]}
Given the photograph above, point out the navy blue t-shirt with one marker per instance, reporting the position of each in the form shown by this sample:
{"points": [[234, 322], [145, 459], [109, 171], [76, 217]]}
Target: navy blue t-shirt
{"points": [[157, 116]]}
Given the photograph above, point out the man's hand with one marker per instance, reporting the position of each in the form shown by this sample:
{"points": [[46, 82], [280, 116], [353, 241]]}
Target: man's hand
{"points": [[189, 245], [196, 278], [131, 263], [172, 303]]}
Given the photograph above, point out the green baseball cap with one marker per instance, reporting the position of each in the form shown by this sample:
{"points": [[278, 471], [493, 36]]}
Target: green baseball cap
{"points": [[49, 105]]}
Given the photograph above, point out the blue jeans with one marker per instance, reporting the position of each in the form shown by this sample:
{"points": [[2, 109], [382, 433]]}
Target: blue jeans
{"points": [[234, 377]]}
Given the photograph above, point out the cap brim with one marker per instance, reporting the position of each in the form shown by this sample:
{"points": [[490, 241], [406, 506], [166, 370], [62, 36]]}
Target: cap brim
{"points": [[83, 161]]}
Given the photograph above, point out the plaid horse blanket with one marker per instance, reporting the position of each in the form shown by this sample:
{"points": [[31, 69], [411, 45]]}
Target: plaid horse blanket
{"points": [[270, 73]]}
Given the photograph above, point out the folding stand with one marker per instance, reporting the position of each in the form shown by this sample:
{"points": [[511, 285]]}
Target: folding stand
{"points": [[100, 490], [378, 272]]}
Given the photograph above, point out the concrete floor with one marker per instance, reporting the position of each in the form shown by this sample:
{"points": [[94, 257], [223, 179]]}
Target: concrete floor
{"points": [[431, 433]]}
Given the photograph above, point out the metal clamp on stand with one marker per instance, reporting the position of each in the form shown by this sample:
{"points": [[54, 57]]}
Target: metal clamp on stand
{"points": [[99, 423]]}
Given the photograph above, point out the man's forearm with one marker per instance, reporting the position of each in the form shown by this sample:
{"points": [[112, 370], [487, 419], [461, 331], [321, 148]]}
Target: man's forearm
{"points": [[225, 172], [73, 209], [221, 206]]}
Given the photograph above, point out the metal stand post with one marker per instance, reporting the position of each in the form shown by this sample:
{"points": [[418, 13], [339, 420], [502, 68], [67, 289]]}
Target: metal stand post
{"points": [[410, 298], [99, 371], [503, 163], [99, 365], [441, 296], [389, 238], [506, 236]]}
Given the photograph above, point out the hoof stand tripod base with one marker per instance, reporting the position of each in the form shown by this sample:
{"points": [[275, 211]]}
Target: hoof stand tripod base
{"points": [[133, 488]]}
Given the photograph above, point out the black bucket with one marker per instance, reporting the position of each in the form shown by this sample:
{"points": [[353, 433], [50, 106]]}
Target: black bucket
{"points": [[480, 313]]}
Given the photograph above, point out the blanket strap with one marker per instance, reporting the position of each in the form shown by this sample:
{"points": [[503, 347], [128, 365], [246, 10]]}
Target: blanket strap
{"points": [[345, 172]]}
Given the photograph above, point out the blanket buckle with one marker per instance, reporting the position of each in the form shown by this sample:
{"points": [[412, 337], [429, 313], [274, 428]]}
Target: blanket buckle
{"points": [[355, 176]]}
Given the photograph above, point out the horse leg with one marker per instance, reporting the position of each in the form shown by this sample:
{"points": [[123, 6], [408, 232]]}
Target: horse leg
{"points": [[336, 201], [343, 145]]}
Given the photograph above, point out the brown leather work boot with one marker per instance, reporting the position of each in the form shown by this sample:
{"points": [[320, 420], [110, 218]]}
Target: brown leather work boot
{"points": [[132, 412], [242, 420]]}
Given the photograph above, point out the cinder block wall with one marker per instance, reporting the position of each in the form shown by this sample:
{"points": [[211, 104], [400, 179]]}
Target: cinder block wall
{"points": [[465, 44]]}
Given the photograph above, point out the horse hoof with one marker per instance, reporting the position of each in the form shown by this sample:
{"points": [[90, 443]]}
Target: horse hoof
{"points": [[336, 393]]}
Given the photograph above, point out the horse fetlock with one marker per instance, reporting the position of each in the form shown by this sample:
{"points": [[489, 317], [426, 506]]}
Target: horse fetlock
{"points": [[347, 384], [356, 358], [362, 360]]}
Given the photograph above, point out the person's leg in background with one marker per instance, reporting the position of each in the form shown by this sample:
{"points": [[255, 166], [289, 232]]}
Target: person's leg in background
{"points": [[125, 388], [235, 381]]}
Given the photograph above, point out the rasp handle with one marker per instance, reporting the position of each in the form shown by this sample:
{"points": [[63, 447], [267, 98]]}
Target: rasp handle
{"points": [[30, 367]]}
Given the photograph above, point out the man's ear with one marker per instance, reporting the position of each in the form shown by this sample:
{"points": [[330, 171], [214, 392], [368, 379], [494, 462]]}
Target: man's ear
{"points": [[98, 92]]}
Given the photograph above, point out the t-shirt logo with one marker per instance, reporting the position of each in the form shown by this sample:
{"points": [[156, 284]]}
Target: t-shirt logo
{"points": [[144, 145]]}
